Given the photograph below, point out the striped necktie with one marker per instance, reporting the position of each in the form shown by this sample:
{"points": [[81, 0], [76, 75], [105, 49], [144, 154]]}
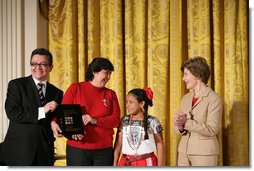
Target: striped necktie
{"points": [[42, 98]]}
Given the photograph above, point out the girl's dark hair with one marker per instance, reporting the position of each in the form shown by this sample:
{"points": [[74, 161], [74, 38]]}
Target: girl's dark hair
{"points": [[98, 64], [140, 95], [42, 51], [198, 67]]}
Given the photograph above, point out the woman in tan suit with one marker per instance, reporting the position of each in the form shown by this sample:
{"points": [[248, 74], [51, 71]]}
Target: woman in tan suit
{"points": [[199, 118]]}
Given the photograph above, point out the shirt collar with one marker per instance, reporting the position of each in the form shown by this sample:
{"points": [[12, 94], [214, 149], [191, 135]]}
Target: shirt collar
{"points": [[37, 81]]}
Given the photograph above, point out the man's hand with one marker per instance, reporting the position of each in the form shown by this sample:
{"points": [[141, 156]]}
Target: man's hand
{"points": [[50, 106], [56, 129]]}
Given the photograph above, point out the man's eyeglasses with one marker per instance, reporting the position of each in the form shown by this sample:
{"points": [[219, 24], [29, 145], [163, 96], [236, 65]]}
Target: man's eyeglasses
{"points": [[38, 64]]}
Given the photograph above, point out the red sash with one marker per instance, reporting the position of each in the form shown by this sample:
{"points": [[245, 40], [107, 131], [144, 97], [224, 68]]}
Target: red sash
{"points": [[131, 158]]}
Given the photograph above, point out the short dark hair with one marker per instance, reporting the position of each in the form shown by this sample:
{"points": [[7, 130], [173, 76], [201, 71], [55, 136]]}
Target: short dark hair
{"points": [[43, 51], [198, 67], [98, 64]]}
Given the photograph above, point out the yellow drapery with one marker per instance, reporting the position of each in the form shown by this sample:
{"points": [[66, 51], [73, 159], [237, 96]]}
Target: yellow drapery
{"points": [[147, 40]]}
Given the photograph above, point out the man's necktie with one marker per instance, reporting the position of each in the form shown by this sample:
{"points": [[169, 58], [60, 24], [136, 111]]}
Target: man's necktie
{"points": [[42, 98]]}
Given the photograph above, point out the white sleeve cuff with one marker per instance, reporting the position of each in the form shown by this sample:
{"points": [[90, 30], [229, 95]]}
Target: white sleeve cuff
{"points": [[41, 113]]}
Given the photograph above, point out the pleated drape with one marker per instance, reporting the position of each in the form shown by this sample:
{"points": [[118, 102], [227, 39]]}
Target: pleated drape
{"points": [[147, 41]]}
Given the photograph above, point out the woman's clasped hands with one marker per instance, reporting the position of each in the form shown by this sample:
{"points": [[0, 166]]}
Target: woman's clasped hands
{"points": [[180, 119]]}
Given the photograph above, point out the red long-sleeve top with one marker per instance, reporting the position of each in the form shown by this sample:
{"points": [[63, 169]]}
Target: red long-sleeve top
{"points": [[100, 103]]}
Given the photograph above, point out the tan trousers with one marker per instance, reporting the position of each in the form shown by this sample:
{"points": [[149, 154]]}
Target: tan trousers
{"points": [[197, 160]]}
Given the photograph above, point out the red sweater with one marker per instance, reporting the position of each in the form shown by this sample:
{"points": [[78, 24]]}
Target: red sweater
{"points": [[100, 103]]}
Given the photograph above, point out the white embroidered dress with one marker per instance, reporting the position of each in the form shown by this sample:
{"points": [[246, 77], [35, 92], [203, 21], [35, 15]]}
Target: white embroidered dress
{"points": [[133, 135]]}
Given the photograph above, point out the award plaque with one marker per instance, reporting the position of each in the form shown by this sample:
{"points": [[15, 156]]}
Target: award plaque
{"points": [[70, 119]]}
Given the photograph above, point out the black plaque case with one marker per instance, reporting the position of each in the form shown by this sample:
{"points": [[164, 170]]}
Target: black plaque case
{"points": [[70, 120]]}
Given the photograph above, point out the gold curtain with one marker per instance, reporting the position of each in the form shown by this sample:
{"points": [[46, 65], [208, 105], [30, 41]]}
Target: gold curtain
{"points": [[147, 41]]}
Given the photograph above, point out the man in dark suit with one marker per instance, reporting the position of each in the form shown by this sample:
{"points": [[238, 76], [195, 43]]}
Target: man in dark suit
{"points": [[30, 108]]}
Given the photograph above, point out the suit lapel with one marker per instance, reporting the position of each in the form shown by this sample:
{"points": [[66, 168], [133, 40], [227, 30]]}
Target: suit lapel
{"points": [[50, 93], [33, 88], [203, 95], [200, 99]]}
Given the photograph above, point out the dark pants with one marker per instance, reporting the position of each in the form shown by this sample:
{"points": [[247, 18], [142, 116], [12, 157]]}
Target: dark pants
{"points": [[43, 156], [2, 163], [84, 157]]}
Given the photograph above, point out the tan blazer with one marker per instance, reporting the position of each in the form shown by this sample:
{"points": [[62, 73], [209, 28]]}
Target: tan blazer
{"points": [[202, 125]]}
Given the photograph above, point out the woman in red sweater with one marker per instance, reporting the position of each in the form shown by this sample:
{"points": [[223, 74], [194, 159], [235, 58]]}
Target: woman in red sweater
{"points": [[101, 113]]}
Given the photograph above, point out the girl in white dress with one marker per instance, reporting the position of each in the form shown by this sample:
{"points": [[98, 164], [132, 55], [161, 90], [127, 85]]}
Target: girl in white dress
{"points": [[139, 134]]}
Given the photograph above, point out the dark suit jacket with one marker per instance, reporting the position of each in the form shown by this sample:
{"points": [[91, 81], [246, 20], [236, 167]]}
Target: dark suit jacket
{"points": [[26, 136]]}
